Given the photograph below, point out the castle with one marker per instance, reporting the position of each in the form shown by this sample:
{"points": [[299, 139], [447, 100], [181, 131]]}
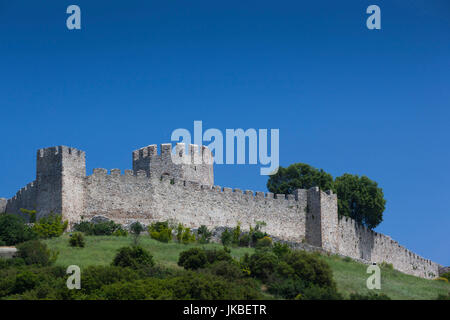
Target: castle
{"points": [[180, 187]]}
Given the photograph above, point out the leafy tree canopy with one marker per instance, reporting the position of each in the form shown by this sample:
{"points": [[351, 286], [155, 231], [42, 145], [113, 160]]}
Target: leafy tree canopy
{"points": [[360, 199], [299, 176]]}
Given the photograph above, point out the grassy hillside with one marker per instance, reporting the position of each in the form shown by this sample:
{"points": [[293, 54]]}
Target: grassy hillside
{"points": [[349, 275]]}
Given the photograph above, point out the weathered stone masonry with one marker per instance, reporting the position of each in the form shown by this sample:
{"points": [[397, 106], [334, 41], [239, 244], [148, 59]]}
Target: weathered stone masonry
{"points": [[180, 187]]}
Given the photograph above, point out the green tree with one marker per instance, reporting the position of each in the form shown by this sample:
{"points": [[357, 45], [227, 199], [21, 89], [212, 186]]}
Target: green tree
{"points": [[299, 176], [134, 257], [50, 226], [136, 228], [36, 252], [13, 230], [360, 199]]}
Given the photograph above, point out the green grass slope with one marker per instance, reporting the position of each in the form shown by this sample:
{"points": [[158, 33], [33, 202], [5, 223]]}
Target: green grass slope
{"points": [[350, 276]]}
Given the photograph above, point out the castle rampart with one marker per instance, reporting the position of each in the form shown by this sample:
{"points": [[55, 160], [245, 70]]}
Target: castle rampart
{"points": [[180, 187]]}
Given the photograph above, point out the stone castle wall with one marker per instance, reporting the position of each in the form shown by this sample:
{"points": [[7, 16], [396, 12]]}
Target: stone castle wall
{"points": [[359, 242], [3, 203], [25, 198], [183, 191], [193, 163], [126, 197]]}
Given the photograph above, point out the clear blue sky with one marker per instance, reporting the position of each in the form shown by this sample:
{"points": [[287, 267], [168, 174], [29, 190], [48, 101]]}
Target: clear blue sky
{"points": [[345, 98]]}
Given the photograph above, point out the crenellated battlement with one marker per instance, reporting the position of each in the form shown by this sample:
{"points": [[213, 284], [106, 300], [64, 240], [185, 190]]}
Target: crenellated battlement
{"points": [[193, 163], [178, 184], [53, 152], [194, 154]]}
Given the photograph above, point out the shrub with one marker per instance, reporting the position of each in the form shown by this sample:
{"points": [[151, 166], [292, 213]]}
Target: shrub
{"points": [[94, 277], [386, 265], [281, 249], [193, 259], [244, 241], [310, 269], [218, 255], [84, 226], [369, 296], [77, 240], [289, 273], [262, 264], [226, 238], [50, 226], [134, 257], [347, 259], [204, 234], [136, 228], [226, 269], [6, 263], [104, 228], [236, 234], [443, 297], [188, 286], [256, 233], [25, 280], [184, 235], [287, 288], [446, 275], [160, 231], [30, 213], [320, 293], [120, 233], [13, 230], [36, 252], [265, 242], [197, 258]]}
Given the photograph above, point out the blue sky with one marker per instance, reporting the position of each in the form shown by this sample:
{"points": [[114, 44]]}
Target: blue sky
{"points": [[345, 98]]}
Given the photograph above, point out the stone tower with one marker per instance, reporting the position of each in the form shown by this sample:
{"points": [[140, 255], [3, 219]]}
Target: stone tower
{"points": [[322, 219], [60, 174], [194, 165]]}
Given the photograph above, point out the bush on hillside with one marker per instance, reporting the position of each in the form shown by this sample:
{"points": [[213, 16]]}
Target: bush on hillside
{"points": [[160, 231], [319, 293], [77, 240], [104, 228], [288, 273], [446, 275], [226, 238], [193, 259], [197, 258], [262, 265], [184, 235], [443, 297], [30, 213], [134, 257], [265, 242], [369, 296], [204, 235], [226, 269], [36, 252], [13, 230], [120, 233], [25, 280], [281, 249], [50, 226], [188, 286], [214, 255], [136, 228]]}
